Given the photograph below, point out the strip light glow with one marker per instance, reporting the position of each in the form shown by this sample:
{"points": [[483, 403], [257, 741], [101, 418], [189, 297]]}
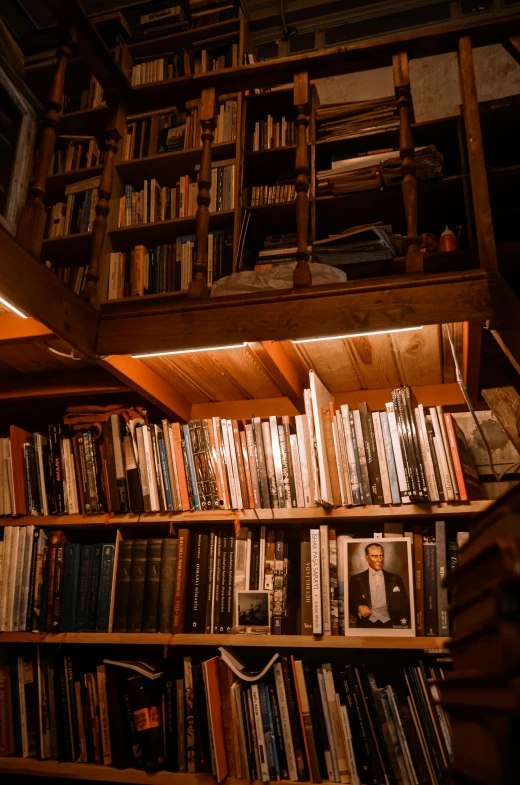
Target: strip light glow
{"points": [[12, 308], [190, 351], [359, 335]]}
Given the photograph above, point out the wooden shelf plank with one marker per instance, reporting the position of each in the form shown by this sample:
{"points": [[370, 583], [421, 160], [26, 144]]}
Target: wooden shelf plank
{"points": [[367, 513], [164, 231], [265, 641], [171, 165], [55, 182], [63, 249]]}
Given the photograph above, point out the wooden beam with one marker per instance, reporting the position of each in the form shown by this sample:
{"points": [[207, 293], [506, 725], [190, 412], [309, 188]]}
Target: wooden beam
{"points": [[512, 45], [505, 327], [36, 291], [471, 349], [14, 329], [427, 394], [241, 410], [477, 165], [139, 377], [55, 384], [345, 308], [274, 359]]}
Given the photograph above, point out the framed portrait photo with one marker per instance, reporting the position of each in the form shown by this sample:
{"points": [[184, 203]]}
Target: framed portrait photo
{"points": [[379, 587], [253, 608]]}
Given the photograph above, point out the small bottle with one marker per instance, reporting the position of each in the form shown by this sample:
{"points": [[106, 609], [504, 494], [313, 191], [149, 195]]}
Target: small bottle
{"points": [[448, 241]]}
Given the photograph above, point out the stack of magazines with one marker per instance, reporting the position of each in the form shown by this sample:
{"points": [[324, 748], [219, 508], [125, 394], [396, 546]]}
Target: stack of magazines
{"points": [[367, 243], [356, 117]]}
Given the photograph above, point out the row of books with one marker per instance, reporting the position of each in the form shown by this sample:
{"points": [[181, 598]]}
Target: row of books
{"points": [[327, 457], [165, 268], [200, 58], [376, 170], [216, 581], [270, 134], [78, 99], [155, 203], [74, 277], [296, 721], [51, 585], [73, 153], [272, 194], [356, 117], [78, 212]]}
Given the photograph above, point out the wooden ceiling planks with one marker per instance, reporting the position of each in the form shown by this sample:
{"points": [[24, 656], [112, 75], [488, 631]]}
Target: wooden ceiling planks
{"points": [[33, 357], [419, 355]]}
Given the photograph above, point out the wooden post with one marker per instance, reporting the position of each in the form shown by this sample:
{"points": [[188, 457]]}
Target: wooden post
{"points": [[198, 287], [302, 273], [477, 165], [114, 132], [414, 257], [33, 218]]}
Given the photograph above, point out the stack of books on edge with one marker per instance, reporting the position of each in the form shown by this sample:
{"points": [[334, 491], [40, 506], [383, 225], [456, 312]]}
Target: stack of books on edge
{"points": [[376, 170], [482, 692], [367, 243], [77, 214], [292, 720], [74, 277], [357, 117], [76, 152], [271, 134], [79, 99]]}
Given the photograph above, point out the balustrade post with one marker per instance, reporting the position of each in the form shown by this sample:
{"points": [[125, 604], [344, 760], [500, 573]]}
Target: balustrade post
{"points": [[302, 274], [198, 286], [114, 133], [33, 218], [414, 257]]}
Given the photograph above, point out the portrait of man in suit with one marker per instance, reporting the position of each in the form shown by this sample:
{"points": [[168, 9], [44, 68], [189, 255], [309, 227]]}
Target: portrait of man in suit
{"points": [[378, 598]]}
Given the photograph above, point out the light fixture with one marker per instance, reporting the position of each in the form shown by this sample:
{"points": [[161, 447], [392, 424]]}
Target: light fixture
{"points": [[190, 351], [12, 308], [358, 335]]}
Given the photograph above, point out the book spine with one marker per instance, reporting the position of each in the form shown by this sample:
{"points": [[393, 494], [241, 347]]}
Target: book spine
{"points": [[152, 585], [278, 585], [58, 587], [285, 466], [430, 583], [70, 587], [263, 478], [94, 588], [325, 579], [455, 454], [105, 587], [269, 462], [418, 571], [137, 586], [277, 459], [317, 618], [197, 583], [255, 482], [179, 597], [106, 747], [333, 580], [390, 459], [360, 445], [381, 457], [167, 584], [122, 593], [441, 556], [369, 440]]}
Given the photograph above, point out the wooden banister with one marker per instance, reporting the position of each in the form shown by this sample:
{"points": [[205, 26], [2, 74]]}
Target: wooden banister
{"points": [[477, 165], [33, 218], [114, 133], [302, 273], [198, 286], [414, 258]]}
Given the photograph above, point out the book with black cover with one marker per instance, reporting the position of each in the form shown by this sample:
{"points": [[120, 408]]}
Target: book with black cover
{"points": [[137, 586], [431, 621], [124, 564], [167, 583], [197, 583], [369, 438], [106, 576], [94, 588], [152, 585]]}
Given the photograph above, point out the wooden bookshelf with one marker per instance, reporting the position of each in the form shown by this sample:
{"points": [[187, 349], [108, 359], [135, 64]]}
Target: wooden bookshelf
{"points": [[265, 641], [261, 516]]}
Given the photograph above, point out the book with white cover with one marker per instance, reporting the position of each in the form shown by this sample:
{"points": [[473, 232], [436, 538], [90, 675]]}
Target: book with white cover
{"points": [[26, 578], [232, 659], [302, 433], [325, 579], [381, 457], [426, 454], [320, 398], [447, 450], [398, 456], [441, 456], [150, 469], [341, 753], [312, 445], [11, 584], [390, 459], [317, 619], [347, 737], [331, 759], [298, 482], [8, 532], [264, 769], [285, 722]]}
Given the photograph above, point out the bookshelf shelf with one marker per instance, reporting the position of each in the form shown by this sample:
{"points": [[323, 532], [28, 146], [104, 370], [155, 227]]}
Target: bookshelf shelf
{"points": [[265, 641], [165, 231], [75, 123], [96, 773], [163, 45], [170, 165], [55, 182], [369, 512], [60, 248]]}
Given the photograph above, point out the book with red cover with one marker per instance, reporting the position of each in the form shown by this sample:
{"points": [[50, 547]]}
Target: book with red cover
{"points": [[465, 469], [210, 670], [181, 579], [18, 438]]}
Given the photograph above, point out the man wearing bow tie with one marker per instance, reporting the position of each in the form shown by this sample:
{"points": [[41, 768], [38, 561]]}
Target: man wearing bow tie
{"points": [[378, 598]]}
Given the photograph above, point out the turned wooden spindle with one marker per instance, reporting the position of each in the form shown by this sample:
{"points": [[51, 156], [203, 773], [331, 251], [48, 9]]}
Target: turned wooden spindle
{"points": [[414, 257], [114, 132], [302, 272], [198, 287], [33, 218]]}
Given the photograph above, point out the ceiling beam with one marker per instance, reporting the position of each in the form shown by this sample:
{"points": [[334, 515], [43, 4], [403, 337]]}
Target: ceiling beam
{"points": [[36, 291], [505, 327], [14, 329], [342, 309], [57, 384], [139, 377], [275, 361]]}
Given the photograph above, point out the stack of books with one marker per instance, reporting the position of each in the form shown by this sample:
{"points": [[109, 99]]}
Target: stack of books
{"points": [[367, 243], [283, 191], [270, 134], [76, 152], [78, 99], [160, 69], [202, 56], [328, 456], [78, 212], [293, 720], [376, 170], [165, 268], [481, 694], [356, 118]]}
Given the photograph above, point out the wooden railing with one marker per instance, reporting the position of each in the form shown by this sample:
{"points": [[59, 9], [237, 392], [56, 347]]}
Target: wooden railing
{"points": [[32, 222]]}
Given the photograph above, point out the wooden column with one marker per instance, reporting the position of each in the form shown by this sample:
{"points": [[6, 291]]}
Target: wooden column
{"points": [[33, 218], [414, 257], [198, 287], [302, 273], [477, 165], [114, 132]]}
